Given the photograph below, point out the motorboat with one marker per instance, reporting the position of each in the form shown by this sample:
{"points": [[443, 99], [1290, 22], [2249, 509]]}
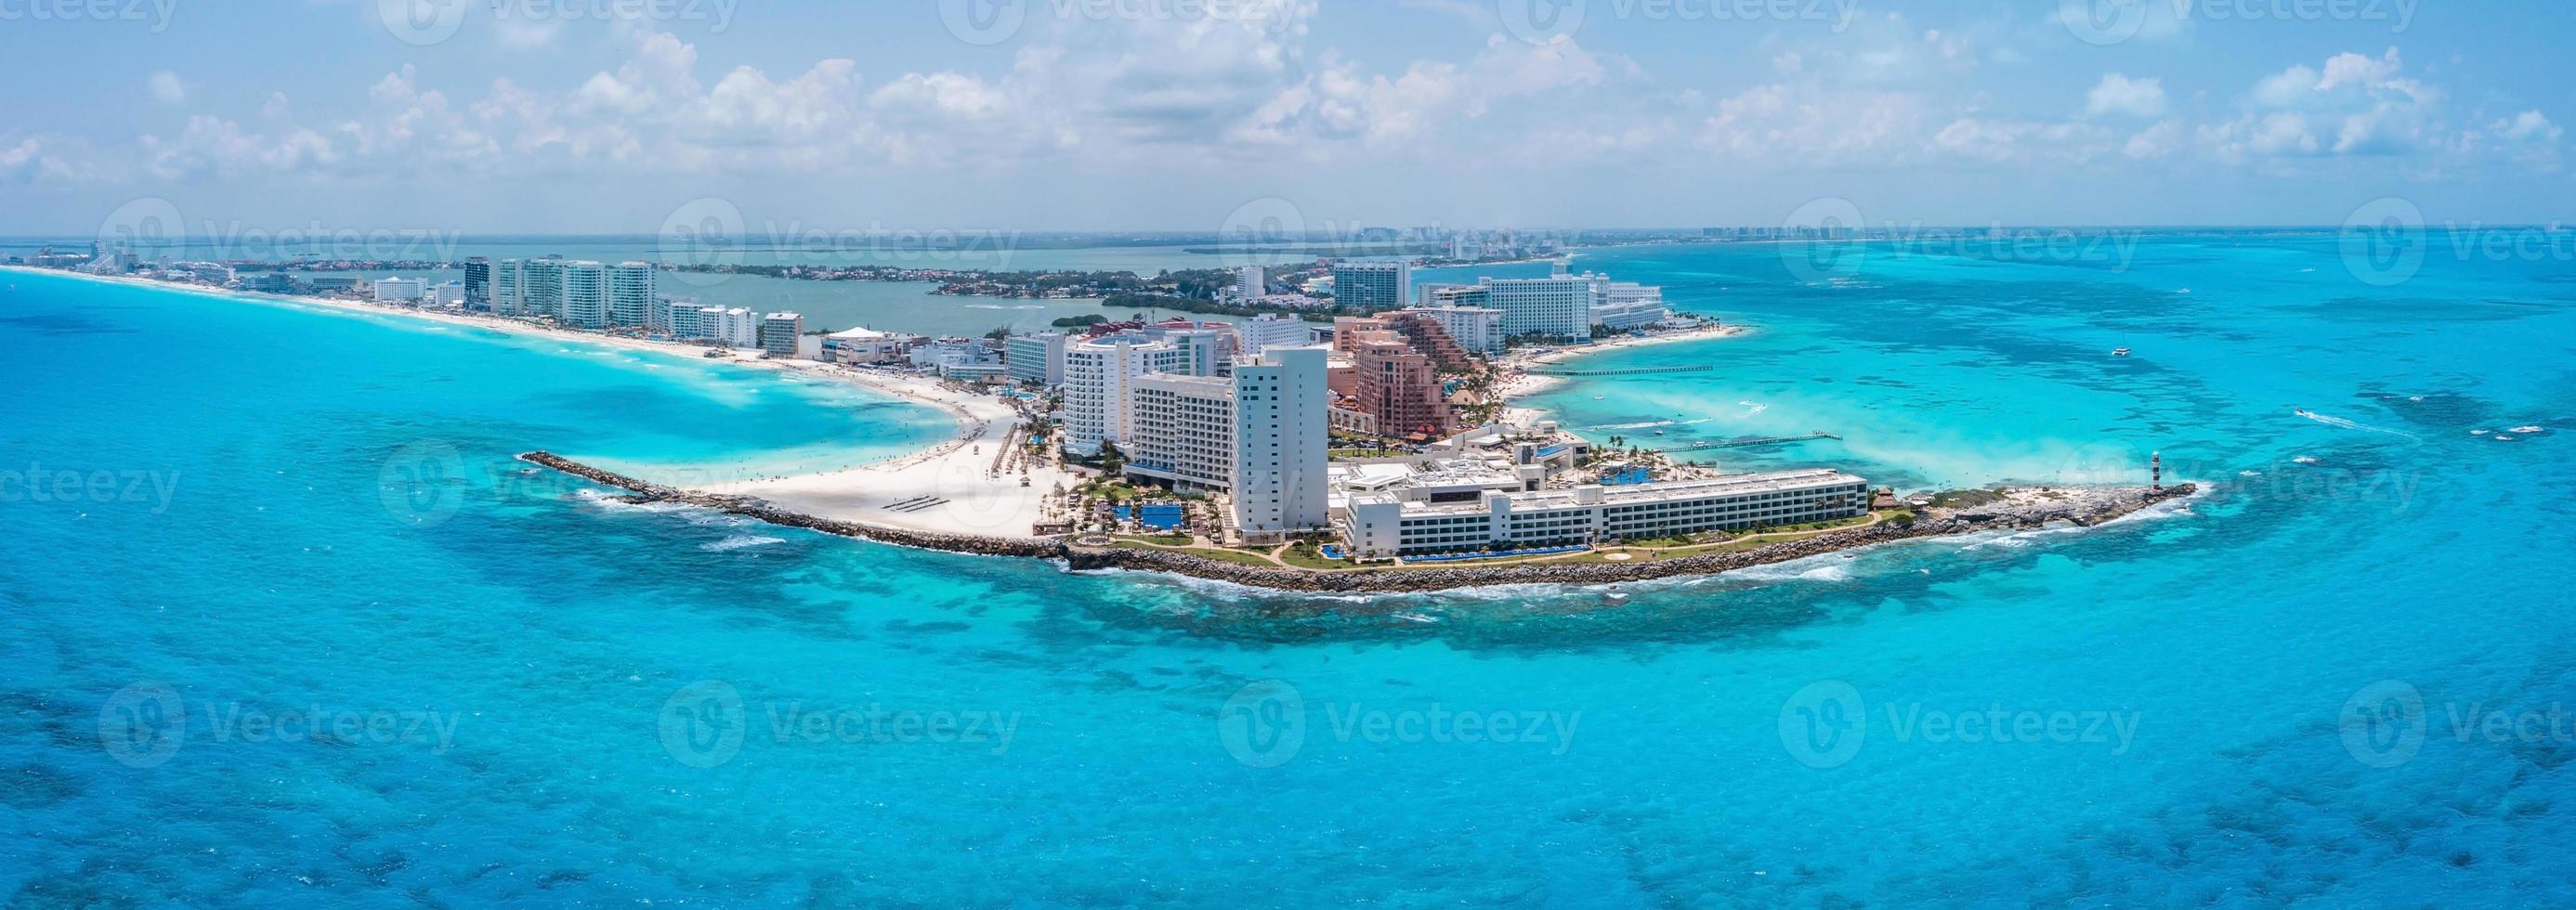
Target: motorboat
{"points": [[2119, 352]]}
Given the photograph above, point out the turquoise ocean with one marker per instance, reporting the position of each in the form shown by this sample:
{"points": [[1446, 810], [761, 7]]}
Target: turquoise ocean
{"points": [[281, 623]]}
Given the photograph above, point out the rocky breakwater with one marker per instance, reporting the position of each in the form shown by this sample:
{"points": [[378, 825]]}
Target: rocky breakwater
{"points": [[2017, 509], [756, 508]]}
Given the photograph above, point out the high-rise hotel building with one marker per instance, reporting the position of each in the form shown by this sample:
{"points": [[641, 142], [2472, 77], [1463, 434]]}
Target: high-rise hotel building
{"points": [[1370, 287], [1280, 478], [630, 294], [585, 295], [1556, 307]]}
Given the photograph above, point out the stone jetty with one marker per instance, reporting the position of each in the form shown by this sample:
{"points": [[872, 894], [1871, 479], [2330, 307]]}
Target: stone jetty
{"points": [[2015, 509]]}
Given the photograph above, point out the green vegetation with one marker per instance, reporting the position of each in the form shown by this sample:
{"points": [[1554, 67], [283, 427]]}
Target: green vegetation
{"points": [[1167, 540], [1114, 491], [1959, 499], [1308, 555], [1081, 321], [1239, 557], [1212, 307]]}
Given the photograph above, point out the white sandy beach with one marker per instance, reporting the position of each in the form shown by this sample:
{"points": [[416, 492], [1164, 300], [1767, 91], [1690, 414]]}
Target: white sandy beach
{"points": [[955, 484], [1519, 383], [960, 471]]}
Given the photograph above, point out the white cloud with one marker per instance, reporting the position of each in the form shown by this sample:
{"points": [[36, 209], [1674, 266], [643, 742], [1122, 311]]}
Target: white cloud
{"points": [[2355, 104], [167, 88], [2528, 126], [2154, 142], [2119, 94], [29, 161]]}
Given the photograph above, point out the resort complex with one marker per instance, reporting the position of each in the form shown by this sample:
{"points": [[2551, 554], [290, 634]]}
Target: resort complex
{"points": [[1382, 436]]}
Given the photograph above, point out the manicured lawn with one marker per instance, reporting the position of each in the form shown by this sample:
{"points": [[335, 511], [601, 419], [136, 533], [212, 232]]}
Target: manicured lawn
{"points": [[1168, 540], [1306, 557]]}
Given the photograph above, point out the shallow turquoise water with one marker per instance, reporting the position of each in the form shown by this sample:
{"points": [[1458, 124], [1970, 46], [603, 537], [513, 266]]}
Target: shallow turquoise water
{"points": [[625, 693]]}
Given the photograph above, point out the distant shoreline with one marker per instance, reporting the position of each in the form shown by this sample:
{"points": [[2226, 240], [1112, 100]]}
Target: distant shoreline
{"points": [[958, 470]]}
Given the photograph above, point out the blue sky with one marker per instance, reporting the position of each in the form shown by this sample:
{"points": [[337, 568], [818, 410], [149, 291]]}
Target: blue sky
{"points": [[609, 115]]}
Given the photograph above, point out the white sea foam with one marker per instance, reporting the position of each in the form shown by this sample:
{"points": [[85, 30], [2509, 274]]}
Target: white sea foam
{"points": [[608, 502], [740, 541]]}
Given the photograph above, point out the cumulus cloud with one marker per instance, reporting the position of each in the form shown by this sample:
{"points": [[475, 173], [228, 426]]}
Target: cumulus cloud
{"points": [[2119, 94], [1235, 83], [167, 88], [2154, 142], [2354, 104]]}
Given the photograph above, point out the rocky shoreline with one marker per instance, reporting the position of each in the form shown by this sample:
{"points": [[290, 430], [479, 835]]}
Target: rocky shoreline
{"points": [[2021, 510]]}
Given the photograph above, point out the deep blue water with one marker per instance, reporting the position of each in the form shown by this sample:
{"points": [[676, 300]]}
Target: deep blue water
{"points": [[589, 703]]}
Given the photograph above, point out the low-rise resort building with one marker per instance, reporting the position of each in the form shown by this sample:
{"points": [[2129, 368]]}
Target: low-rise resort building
{"points": [[1389, 523]]}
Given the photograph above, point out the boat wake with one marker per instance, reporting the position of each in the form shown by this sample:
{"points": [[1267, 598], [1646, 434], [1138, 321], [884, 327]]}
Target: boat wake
{"points": [[2344, 424]]}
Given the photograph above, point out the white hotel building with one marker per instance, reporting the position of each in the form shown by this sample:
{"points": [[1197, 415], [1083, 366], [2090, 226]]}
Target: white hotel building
{"points": [[1097, 372], [1271, 330], [400, 290], [1258, 436], [1558, 306], [630, 294], [1182, 431], [585, 295], [1386, 524], [1476, 328], [1623, 305]]}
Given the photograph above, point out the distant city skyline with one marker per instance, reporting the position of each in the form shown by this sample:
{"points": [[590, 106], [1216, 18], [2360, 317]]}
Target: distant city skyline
{"points": [[620, 118]]}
